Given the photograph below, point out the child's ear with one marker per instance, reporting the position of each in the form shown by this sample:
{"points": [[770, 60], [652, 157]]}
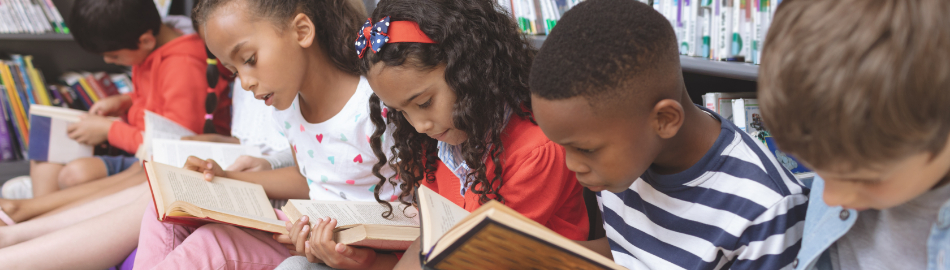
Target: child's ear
{"points": [[303, 30], [667, 118], [147, 41]]}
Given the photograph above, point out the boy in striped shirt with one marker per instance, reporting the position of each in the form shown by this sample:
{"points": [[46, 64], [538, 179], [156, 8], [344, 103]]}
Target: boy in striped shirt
{"points": [[679, 186]]}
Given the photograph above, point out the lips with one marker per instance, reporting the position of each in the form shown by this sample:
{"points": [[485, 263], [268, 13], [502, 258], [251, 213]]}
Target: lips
{"points": [[439, 136], [267, 98]]}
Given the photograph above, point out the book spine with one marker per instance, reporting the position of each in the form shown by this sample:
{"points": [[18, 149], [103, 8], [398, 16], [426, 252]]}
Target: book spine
{"points": [[97, 87], [90, 93], [6, 141], [47, 14], [24, 78], [17, 114], [40, 137], [37, 15], [36, 78], [58, 17], [83, 97], [21, 17], [56, 98], [108, 88]]}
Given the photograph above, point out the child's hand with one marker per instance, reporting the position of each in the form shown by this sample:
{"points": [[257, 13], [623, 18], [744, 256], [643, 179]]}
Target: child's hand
{"points": [[208, 167], [111, 106], [212, 137], [90, 130], [295, 240], [337, 255], [249, 164]]}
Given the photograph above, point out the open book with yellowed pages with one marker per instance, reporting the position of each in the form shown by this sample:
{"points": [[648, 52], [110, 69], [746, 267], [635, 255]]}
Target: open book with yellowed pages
{"points": [[183, 196], [159, 127], [361, 223], [494, 237]]}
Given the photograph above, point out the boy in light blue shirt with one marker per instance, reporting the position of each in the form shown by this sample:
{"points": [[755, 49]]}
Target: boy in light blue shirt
{"points": [[860, 92]]}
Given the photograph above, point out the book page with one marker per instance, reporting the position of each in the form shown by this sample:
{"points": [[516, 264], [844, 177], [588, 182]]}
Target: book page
{"points": [[221, 194], [161, 128], [439, 215], [353, 213], [176, 153]]}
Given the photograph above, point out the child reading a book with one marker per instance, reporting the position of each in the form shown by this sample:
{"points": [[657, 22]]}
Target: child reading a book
{"points": [[679, 186], [453, 76], [168, 71], [296, 56], [863, 101]]}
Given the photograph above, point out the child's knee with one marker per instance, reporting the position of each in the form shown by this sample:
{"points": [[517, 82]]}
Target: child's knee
{"points": [[80, 171]]}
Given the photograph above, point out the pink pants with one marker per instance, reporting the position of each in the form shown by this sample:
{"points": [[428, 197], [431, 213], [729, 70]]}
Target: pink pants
{"points": [[210, 246]]}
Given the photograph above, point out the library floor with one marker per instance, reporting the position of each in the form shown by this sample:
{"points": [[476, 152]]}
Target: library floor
{"points": [[13, 169]]}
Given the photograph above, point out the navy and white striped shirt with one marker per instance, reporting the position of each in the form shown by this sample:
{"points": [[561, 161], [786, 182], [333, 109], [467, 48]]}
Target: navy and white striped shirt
{"points": [[737, 208]]}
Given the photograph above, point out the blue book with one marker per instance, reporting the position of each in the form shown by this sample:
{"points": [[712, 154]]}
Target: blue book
{"points": [[24, 77], [789, 162], [48, 139]]}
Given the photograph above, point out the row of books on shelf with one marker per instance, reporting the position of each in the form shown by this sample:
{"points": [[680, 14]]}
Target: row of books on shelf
{"points": [[31, 16], [742, 108], [539, 17], [22, 85], [724, 30]]}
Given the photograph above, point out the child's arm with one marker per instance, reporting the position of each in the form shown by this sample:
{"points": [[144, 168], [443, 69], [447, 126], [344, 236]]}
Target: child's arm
{"points": [[775, 239], [91, 129], [601, 246], [284, 183], [117, 105]]}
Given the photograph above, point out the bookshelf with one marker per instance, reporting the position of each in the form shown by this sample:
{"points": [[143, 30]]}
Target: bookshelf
{"points": [[704, 75], [36, 37]]}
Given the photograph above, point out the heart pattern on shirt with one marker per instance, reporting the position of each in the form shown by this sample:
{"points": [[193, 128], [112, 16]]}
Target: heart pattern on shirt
{"points": [[358, 158], [320, 138], [331, 159]]}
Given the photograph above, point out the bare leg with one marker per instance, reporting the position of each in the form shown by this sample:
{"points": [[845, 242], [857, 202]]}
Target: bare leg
{"points": [[97, 243], [45, 177], [21, 210], [135, 179], [81, 171], [25, 231]]}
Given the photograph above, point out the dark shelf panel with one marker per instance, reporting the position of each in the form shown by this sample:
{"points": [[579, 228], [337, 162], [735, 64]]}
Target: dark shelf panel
{"points": [[730, 70], [37, 37]]}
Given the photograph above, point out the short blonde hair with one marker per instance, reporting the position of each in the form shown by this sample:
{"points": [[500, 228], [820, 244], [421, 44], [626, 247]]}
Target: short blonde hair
{"points": [[857, 82]]}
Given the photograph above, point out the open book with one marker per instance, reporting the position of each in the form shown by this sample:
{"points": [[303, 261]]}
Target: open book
{"points": [[183, 196], [494, 237], [48, 139], [159, 127], [176, 152], [361, 223]]}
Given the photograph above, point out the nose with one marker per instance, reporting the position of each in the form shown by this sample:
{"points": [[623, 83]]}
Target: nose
{"points": [[420, 123], [837, 193], [247, 82], [574, 164]]}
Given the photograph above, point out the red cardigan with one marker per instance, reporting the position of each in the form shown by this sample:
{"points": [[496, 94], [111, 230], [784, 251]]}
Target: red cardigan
{"points": [[537, 182], [171, 82]]}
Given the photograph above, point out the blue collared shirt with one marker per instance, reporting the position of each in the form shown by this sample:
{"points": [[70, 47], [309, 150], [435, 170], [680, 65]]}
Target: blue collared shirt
{"points": [[825, 224]]}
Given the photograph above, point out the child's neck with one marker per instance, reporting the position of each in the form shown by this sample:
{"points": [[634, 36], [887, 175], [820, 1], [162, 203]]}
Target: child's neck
{"points": [[165, 34], [696, 136], [325, 93]]}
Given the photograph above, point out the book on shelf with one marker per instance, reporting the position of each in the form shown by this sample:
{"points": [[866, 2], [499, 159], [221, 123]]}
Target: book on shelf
{"points": [[176, 152], [721, 103], [182, 196], [8, 150], [746, 115], [31, 17], [159, 127], [494, 237], [48, 139], [14, 104], [361, 223]]}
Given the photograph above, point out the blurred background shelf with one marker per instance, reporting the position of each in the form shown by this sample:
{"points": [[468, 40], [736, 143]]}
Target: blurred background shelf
{"points": [[37, 37]]}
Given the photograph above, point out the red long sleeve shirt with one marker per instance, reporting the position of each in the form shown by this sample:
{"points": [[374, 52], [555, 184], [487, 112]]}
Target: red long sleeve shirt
{"points": [[171, 82], [537, 182]]}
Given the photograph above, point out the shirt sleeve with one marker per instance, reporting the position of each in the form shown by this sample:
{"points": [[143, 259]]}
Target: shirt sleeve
{"points": [[541, 187], [124, 136], [775, 237]]}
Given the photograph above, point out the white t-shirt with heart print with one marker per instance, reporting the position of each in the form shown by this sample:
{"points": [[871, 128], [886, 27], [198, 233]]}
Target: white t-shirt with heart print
{"points": [[335, 156]]}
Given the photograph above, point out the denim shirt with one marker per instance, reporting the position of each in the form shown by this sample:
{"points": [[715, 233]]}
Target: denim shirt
{"points": [[825, 224]]}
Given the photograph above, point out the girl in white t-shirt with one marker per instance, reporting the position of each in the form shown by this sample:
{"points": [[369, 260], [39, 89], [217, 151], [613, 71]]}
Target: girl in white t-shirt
{"points": [[296, 56]]}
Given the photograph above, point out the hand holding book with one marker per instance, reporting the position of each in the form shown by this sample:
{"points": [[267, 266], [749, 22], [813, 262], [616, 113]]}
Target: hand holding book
{"points": [[209, 168], [90, 130]]}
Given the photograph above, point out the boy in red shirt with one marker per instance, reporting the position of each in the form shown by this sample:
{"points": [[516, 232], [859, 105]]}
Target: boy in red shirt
{"points": [[168, 74]]}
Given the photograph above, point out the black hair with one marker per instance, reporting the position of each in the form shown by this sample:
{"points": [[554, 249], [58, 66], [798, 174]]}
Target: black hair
{"points": [[336, 22], [101, 26], [598, 46], [486, 61]]}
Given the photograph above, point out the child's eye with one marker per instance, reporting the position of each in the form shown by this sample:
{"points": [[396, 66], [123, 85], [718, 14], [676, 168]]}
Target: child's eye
{"points": [[426, 104], [251, 60], [582, 150]]}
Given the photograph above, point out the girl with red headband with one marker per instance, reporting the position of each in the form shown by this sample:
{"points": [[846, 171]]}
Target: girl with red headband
{"points": [[453, 76]]}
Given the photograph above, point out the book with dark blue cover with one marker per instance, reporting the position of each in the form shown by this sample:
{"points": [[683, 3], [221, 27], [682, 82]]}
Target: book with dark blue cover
{"points": [[48, 139], [789, 162]]}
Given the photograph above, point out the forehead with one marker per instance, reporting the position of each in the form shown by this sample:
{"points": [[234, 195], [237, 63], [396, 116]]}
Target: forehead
{"points": [[565, 120], [395, 84], [228, 25]]}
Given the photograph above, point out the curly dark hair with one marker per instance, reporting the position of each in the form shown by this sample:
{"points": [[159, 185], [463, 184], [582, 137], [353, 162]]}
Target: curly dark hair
{"points": [[336, 22], [486, 61]]}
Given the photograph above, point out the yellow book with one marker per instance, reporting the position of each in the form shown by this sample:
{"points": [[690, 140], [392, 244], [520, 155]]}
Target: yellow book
{"points": [[89, 90], [16, 103], [38, 85]]}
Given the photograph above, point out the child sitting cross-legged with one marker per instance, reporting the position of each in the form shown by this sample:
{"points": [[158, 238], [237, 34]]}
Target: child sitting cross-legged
{"points": [[680, 187]]}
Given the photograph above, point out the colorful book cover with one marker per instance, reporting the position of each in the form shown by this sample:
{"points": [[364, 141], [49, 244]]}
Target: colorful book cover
{"points": [[97, 87], [23, 78], [39, 84], [108, 87], [786, 160], [6, 138], [48, 139], [16, 105], [90, 92]]}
